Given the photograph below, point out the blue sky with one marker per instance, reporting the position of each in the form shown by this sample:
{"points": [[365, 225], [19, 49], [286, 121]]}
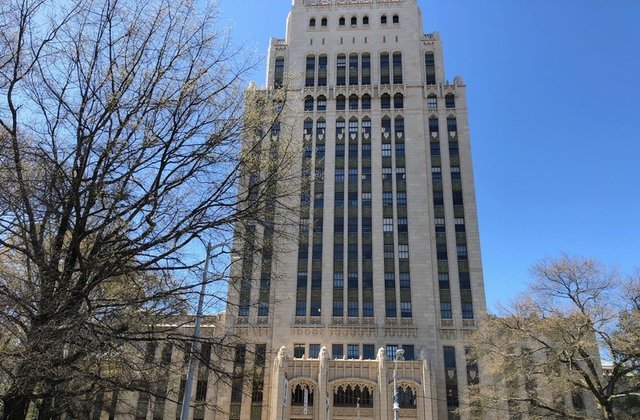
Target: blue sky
{"points": [[553, 91]]}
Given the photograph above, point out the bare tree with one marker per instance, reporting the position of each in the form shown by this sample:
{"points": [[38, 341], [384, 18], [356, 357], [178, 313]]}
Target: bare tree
{"points": [[541, 356], [120, 149]]}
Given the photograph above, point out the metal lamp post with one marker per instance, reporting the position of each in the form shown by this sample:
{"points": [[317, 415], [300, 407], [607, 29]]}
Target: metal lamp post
{"points": [[396, 400], [188, 386]]}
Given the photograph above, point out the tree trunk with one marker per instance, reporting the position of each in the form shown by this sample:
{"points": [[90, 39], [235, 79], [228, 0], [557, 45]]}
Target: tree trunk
{"points": [[15, 407], [607, 411]]}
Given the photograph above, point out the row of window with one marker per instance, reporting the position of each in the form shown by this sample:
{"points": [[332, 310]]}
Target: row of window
{"points": [[449, 101], [359, 67], [385, 122], [354, 102], [342, 21]]}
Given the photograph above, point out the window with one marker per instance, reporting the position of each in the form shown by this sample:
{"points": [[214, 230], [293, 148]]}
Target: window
{"points": [[353, 69], [302, 279], [446, 311], [338, 249], [340, 171], [318, 200], [449, 101], [462, 252], [338, 308], [392, 349], [353, 153], [452, 124], [352, 280], [278, 73], [436, 174], [353, 199], [341, 21], [438, 198], [368, 351], [384, 69], [387, 173], [390, 309], [321, 126], [366, 153], [367, 309], [352, 310], [435, 149], [402, 225], [453, 149], [353, 172], [387, 199], [301, 307], [308, 103], [397, 67], [315, 308], [399, 126], [465, 281], [402, 198], [388, 251], [399, 150], [353, 102], [308, 126], [467, 311], [353, 126], [310, 70], [366, 68], [386, 150], [338, 279], [337, 350], [403, 252], [432, 102], [303, 251], [322, 103], [341, 103], [441, 251], [366, 199], [385, 101], [339, 154], [387, 224], [396, 19], [433, 125], [353, 351], [455, 173], [457, 198], [352, 250], [383, 19], [409, 353], [405, 281], [312, 22], [400, 173], [443, 281], [314, 351], [389, 281], [352, 224], [405, 310], [354, 21], [317, 224], [323, 22], [398, 101], [430, 67], [304, 225], [366, 228], [339, 200], [316, 252], [365, 20], [298, 351], [341, 67], [366, 105], [440, 227], [386, 127]]}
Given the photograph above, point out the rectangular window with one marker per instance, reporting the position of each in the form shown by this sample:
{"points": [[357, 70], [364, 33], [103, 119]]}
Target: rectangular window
{"points": [[353, 69], [352, 251], [366, 151], [310, 71], [366, 174], [353, 308], [386, 149], [322, 70], [399, 150], [278, 74], [397, 68], [438, 198], [445, 310], [340, 153], [367, 279], [409, 352], [384, 69], [341, 70], [301, 308], [340, 174], [353, 172], [435, 149], [432, 102], [353, 351], [436, 174], [318, 200], [443, 281], [452, 124], [403, 226], [298, 351], [405, 281], [387, 199], [430, 68], [400, 173], [440, 226], [317, 252], [338, 224], [453, 149], [303, 251], [366, 69], [387, 174], [403, 252], [338, 308], [337, 351], [402, 198], [462, 252], [388, 251], [316, 279], [467, 311], [390, 309], [338, 251], [304, 225], [392, 351], [368, 351], [389, 281], [353, 199], [441, 251], [465, 281], [367, 252], [387, 224], [366, 199], [405, 310], [352, 224], [302, 279], [433, 125], [338, 280], [352, 278], [339, 200], [315, 308], [314, 351]]}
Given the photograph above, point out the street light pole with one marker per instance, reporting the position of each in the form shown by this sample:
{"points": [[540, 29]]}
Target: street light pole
{"points": [[188, 386], [396, 400]]}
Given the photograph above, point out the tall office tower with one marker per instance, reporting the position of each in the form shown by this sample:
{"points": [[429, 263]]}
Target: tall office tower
{"points": [[386, 255]]}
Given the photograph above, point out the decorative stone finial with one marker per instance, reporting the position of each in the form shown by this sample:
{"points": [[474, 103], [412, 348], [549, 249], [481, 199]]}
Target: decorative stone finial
{"points": [[458, 81]]}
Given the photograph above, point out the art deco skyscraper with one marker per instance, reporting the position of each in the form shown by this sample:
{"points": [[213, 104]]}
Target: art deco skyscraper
{"points": [[388, 253]]}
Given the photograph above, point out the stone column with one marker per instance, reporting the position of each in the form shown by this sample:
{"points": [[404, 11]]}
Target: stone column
{"points": [[383, 386], [427, 388], [278, 379], [323, 392]]}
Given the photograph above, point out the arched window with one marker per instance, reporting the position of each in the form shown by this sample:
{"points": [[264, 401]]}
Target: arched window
{"points": [[308, 103], [353, 102], [366, 101], [353, 69], [297, 395], [384, 68], [341, 21], [366, 68], [366, 125], [323, 22], [310, 72], [452, 124], [430, 68], [350, 396], [312, 22], [340, 103], [397, 68], [278, 73], [341, 70], [385, 101], [449, 100], [432, 101], [365, 20], [396, 19], [340, 126], [398, 101], [322, 103], [308, 126], [399, 125], [406, 397], [386, 124], [354, 21], [433, 125], [383, 19]]}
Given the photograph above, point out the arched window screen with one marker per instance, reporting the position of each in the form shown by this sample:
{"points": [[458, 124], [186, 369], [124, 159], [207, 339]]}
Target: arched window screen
{"points": [[385, 101], [450, 100], [353, 102], [340, 102], [349, 396], [366, 101], [308, 103], [297, 395], [398, 101]]}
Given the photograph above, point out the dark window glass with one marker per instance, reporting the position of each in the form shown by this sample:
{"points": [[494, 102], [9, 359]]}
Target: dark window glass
{"points": [[278, 76], [338, 249], [384, 69], [368, 351], [301, 307], [310, 71], [467, 311], [433, 125], [353, 102], [449, 100], [353, 69], [396, 19], [366, 104], [445, 310], [383, 19], [337, 350], [430, 67], [298, 351], [465, 281], [390, 309], [389, 281], [397, 67], [441, 251], [341, 67], [341, 103], [322, 69], [366, 69], [354, 21], [409, 352], [341, 21], [435, 149], [385, 102], [452, 124], [323, 22], [338, 308], [457, 198], [308, 103]]}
